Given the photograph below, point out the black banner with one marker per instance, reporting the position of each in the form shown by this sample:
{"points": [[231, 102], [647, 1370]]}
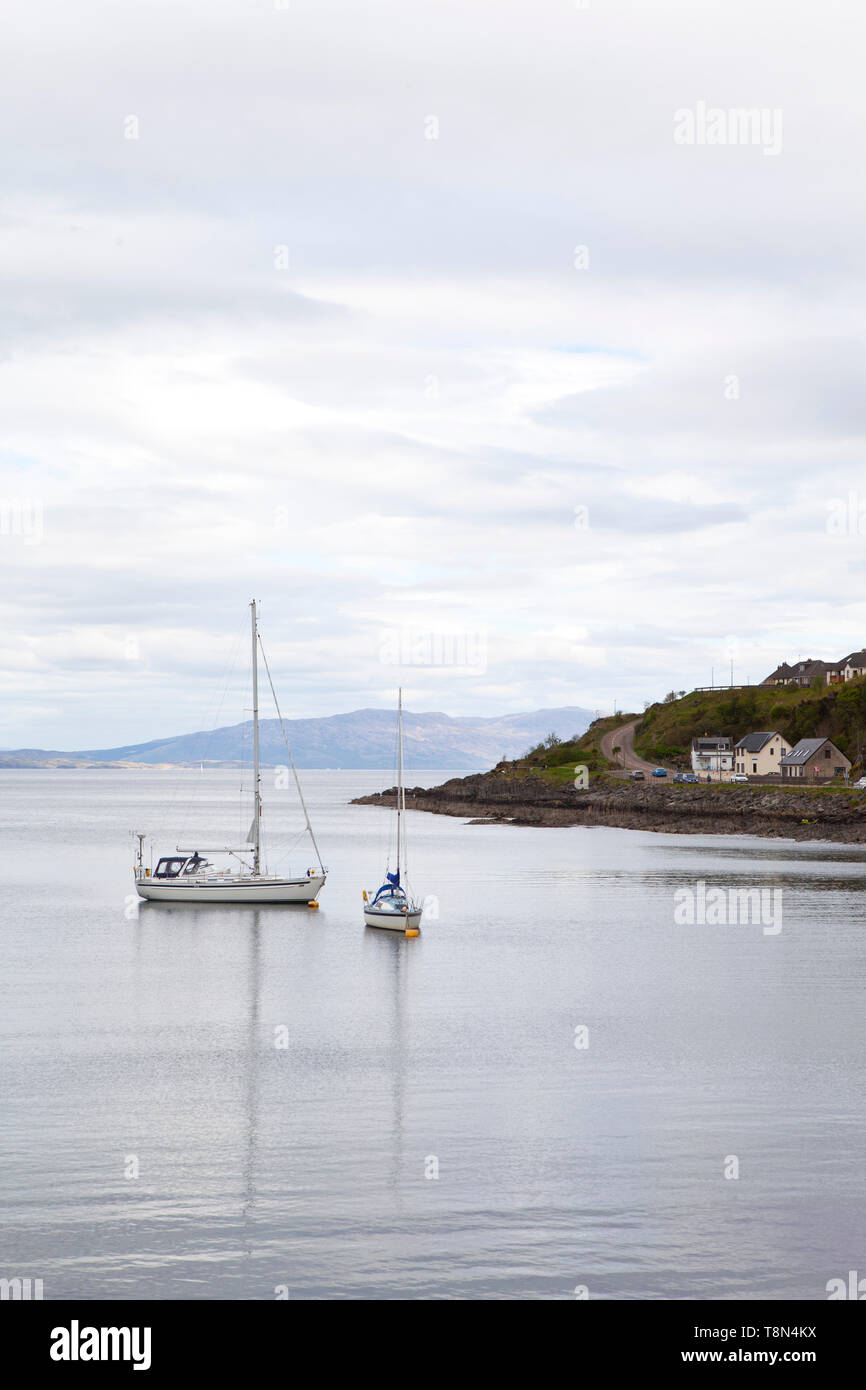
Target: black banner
{"points": [[162, 1339]]}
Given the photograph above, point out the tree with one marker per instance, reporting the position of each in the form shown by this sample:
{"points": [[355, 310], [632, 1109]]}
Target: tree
{"points": [[670, 697]]}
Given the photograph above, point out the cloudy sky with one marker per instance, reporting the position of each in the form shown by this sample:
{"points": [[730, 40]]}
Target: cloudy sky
{"points": [[425, 325]]}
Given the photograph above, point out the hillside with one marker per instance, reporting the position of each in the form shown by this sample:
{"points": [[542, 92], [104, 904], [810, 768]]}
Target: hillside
{"points": [[362, 738], [555, 760], [837, 712]]}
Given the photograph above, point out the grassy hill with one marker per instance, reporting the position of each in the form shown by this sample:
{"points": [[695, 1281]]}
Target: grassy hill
{"points": [[555, 760], [837, 712]]}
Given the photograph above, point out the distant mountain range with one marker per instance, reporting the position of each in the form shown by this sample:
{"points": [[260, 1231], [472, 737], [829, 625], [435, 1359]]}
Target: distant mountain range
{"points": [[364, 738]]}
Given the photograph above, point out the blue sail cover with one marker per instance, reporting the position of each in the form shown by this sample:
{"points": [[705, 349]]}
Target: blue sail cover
{"points": [[388, 888]]}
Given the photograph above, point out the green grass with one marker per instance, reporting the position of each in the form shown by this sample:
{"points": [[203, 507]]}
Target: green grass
{"points": [[558, 762]]}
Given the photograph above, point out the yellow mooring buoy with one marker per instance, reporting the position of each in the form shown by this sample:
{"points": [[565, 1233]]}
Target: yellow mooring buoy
{"points": [[312, 904], [412, 931]]}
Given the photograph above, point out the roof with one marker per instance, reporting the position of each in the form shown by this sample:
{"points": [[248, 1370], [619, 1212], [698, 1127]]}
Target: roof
{"points": [[711, 741], [753, 743], [808, 668], [805, 749]]}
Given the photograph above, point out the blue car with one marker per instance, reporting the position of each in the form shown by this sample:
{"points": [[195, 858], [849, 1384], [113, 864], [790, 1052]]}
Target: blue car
{"points": [[659, 772]]}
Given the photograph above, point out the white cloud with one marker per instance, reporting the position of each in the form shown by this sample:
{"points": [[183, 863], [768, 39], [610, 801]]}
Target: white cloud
{"points": [[398, 426]]}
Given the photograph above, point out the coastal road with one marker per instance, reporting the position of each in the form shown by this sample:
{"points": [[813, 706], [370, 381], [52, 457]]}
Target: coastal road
{"points": [[623, 738]]}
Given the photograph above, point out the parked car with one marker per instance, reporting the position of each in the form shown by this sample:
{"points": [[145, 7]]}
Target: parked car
{"points": [[636, 776], [861, 782], [660, 772], [679, 776], [689, 777]]}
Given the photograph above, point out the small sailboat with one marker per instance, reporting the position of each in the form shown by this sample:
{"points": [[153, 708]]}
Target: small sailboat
{"points": [[188, 876], [392, 907]]}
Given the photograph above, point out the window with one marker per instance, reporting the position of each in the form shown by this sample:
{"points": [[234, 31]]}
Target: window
{"points": [[169, 868], [827, 753]]}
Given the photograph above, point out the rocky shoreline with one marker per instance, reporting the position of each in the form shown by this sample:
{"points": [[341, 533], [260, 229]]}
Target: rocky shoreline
{"points": [[682, 809]]}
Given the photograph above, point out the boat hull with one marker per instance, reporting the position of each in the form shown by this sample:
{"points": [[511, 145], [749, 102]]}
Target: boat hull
{"points": [[393, 921], [273, 890]]}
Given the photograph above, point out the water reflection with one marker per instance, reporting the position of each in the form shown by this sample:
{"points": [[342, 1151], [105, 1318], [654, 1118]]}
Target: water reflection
{"points": [[252, 1064], [390, 951]]}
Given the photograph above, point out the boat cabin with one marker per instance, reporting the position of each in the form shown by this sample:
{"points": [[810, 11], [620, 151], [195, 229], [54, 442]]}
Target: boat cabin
{"points": [[179, 866]]}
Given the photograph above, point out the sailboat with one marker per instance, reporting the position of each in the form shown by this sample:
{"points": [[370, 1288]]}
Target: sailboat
{"points": [[188, 876], [391, 907]]}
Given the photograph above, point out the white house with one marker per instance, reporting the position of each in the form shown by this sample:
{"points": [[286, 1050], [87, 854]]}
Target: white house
{"points": [[712, 754], [853, 665]]}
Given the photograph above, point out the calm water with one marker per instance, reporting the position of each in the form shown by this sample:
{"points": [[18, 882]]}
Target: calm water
{"points": [[151, 1036]]}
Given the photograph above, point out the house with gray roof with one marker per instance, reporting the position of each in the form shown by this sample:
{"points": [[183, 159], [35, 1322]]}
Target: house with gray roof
{"points": [[712, 753], [781, 675], [801, 673], [760, 754], [853, 665], [814, 760]]}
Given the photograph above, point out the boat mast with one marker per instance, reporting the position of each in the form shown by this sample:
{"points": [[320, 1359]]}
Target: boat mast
{"points": [[399, 776], [257, 791]]}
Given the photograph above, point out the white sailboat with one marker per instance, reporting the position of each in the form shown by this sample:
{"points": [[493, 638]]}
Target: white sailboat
{"points": [[392, 907], [188, 876]]}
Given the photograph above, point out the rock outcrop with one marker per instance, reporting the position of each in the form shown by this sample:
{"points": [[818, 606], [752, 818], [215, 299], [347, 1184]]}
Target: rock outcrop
{"points": [[688, 809]]}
